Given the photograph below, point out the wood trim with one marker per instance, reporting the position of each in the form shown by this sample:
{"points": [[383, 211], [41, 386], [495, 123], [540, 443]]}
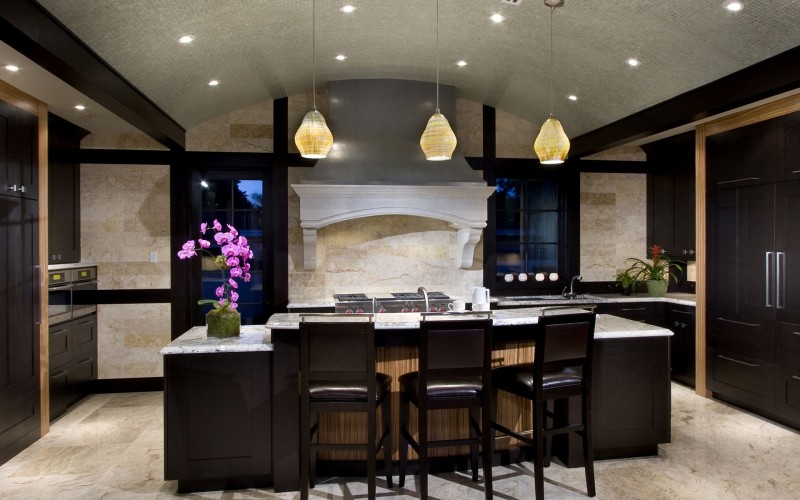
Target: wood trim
{"points": [[750, 116], [44, 345], [700, 261], [20, 99]]}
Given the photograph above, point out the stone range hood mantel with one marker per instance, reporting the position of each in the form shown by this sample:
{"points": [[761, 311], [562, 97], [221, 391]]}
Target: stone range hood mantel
{"points": [[462, 205]]}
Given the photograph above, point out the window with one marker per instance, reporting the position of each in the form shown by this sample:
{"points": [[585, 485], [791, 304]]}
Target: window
{"points": [[535, 228], [238, 202]]}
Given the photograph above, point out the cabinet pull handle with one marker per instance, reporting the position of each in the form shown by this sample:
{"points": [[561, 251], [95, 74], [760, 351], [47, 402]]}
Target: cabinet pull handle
{"points": [[796, 171], [751, 365], [87, 360], [738, 322], [58, 374], [780, 278], [681, 312], [767, 281], [633, 309], [795, 377], [58, 332], [795, 333], [739, 180]]}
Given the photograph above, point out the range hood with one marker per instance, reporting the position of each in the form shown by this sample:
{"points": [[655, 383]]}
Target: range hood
{"points": [[376, 166]]}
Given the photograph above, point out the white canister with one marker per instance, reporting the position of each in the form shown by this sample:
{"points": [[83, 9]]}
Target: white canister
{"points": [[480, 295]]}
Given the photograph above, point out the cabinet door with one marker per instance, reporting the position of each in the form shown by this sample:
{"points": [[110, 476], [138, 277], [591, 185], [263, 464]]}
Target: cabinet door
{"points": [[681, 321], [755, 247], [787, 246], [19, 322], [788, 167], [745, 380], [19, 170], [683, 203], [722, 251], [742, 156], [661, 221]]}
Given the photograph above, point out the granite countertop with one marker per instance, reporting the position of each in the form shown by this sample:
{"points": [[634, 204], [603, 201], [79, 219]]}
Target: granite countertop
{"points": [[253, 338], [607, 326], [687, 299]]}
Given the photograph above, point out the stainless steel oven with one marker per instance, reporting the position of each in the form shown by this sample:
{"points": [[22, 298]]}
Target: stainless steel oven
{"points": [[60, 290]]}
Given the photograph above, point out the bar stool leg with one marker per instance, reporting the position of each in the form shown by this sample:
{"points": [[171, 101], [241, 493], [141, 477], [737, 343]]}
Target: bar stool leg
{"points": [[305, 445], [312, 468], [538, 462], [587, 443], [404, 444], [487, 446], [386, 419], [422, 424], [371, 451], [473, 447]]}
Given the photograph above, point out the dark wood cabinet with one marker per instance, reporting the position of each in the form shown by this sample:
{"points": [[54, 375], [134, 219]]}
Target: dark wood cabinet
{"points": [[645, 312], [19, 325], [64, 191], [19, 152], [753, 272], [680, 319], [73, 362], [671, 196], [218, 420]]}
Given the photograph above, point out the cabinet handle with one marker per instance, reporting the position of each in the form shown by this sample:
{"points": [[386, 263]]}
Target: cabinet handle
{"points": [[738, 322], [58, 374], [795, 333], [795, 377], [680, 312], [677, 323], [683, 325], [633, 309], [767, 281], [780, 279], [58, 332], [87, 360], [796, 171], [739, 180], [751, 365]]}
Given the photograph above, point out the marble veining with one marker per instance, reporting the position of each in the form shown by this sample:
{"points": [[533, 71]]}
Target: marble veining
{"points": [[252, 338]]}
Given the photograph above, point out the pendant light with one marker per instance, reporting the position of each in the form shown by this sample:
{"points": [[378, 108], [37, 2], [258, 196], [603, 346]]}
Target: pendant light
{"points": [[313, 138], [552, 144], [438, 140]]}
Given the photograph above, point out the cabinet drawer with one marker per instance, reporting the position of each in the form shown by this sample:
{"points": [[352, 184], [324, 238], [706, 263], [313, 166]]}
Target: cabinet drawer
{"points": [[787, 395], [60, 394], [60, 344], [789, 345], [752, 338], [84, 336], [645, 312], [744, 379], [84, 370]]}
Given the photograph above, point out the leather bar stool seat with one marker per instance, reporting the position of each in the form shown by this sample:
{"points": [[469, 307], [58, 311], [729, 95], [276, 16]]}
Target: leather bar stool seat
{"points": [[441, 387], [331, 391], [519, 379]]}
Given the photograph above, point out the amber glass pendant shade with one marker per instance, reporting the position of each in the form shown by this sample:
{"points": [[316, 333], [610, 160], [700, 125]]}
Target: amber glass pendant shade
{"points": [[552, 144], [438, 141], [313, 138]]}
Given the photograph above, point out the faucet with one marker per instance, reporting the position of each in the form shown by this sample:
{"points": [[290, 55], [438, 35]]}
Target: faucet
{"points": [[425, 294], [571, 294]]}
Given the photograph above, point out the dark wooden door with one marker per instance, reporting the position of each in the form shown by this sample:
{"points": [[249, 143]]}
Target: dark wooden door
{"points": [[788, 166], [722, 251], [19, 324], [683, 203], [787, 247], [19, 134], [63, 188], [742, 156], [756, 250]]}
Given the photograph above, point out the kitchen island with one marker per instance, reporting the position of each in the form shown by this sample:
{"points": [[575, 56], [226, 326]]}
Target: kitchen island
{"points": [[232, 405], [630, 396]]}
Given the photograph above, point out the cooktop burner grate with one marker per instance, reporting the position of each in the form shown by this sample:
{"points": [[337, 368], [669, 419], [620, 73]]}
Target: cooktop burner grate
{"points": [[418, 295], [351, 297]]}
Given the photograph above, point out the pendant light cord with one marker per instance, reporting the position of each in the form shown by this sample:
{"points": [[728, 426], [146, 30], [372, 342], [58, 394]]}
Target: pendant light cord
{"points": [[437, 56], [314, 54], [552, 9]]}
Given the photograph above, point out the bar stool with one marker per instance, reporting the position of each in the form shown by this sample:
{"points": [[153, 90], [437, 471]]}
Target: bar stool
{"points": [[562, 368], [337, 374], [454, 372]]}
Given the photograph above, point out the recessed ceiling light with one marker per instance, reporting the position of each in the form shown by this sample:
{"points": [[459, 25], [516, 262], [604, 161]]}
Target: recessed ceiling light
{"points": [[572, 97], [348, 9], [80, 107], [498, 18], [633, 62], [341, 57], [213, 83], [186, 39], [204, 183], [733, 5], [461, 63], [12, 68]]}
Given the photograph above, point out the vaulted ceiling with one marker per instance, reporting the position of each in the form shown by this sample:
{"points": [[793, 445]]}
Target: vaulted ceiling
{"points": [[261, 50]]}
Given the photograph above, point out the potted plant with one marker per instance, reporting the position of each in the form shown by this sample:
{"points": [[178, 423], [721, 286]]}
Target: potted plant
{"points": [[654, 275], [224, 320], [626, 281]]}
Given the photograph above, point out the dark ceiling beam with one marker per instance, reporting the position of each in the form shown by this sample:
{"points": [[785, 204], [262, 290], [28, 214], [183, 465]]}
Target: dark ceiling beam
{"points": [[762, 80], [28, 28]]}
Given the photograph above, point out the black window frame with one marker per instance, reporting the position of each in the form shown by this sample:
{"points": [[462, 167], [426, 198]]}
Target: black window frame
{"points": [[568, 179]]}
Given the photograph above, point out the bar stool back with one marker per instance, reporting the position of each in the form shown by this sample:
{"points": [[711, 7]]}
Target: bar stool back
{"points": [[562, 368], [454, 372], [337, 374]]}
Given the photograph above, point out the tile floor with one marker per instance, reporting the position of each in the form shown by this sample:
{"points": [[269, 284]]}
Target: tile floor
{"points": [[110, 446]]}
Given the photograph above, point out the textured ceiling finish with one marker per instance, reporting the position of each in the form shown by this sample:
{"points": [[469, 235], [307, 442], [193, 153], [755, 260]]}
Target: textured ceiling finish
{"points": [[260, 49]]}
